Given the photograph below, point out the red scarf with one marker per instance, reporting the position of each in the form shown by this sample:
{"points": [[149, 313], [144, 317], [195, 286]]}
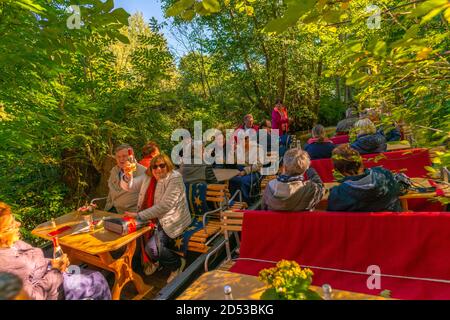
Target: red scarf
{"points": [[148, 203], [150, 195]]}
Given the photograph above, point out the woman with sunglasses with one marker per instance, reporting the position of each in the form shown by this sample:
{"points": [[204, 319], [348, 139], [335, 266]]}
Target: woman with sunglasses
{"points": [[162, 196]]}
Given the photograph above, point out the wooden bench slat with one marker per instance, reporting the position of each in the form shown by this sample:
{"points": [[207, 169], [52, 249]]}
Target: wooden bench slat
{"points": [[232, 228]]}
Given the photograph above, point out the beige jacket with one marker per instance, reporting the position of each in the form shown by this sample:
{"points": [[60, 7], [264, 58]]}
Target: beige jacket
{"points": [[170, 202], [119, 198]]}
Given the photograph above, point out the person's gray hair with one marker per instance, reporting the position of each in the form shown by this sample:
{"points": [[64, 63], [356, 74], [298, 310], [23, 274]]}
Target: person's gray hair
{"points": [[351, 113], [296, 161], [365, 126], [121, 147], [10, 286], [319, 132]]}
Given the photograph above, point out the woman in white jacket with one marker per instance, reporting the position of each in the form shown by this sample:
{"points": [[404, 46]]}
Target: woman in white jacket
{"points": [[167, 203]]}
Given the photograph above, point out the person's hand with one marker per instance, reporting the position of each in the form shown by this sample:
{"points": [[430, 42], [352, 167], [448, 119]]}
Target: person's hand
{"points": [[60, 264], [128, 170], [131, 214]]}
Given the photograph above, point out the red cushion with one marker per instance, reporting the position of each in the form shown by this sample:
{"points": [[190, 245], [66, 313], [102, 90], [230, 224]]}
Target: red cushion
{"points": [[414, 245], [340, 139], [412, 162]]}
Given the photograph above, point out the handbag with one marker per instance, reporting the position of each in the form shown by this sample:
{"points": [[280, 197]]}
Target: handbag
{"points": [[125, 225]]}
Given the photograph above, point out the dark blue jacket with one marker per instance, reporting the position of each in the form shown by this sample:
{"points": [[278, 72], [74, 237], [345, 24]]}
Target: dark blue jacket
{"points": [[319, 150], [370, 143], [374, 190], [391, 133]]}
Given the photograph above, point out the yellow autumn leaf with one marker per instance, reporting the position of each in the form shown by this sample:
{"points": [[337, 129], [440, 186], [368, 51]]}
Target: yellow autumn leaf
{"points": [[423, 54], [447, 14]]}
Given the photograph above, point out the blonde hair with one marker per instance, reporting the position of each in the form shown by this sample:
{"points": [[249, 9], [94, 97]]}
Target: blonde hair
{"points": [[165, 159], [365, 126], [296, 161]]}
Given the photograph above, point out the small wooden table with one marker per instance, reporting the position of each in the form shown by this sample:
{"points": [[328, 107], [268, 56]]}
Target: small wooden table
{"points": [[95, 248], [403, 199], [223, 175], [398, 145], [209, 286]]}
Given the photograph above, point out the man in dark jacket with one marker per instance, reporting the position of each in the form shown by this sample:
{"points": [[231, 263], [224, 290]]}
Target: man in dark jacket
{"points": [[361, 189]]}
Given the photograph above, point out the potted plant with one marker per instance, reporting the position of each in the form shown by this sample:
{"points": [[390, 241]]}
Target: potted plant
{"points": [[288, 281]]}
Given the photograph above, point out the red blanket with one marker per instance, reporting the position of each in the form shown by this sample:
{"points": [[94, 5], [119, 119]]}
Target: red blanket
{"points": [[414, 245]]}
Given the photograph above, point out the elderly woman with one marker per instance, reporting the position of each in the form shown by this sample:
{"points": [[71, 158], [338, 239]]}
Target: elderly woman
{"points": [[374, 189], [162, 196], [368, 140], [319, 147], [44, 279], [290, 191]]}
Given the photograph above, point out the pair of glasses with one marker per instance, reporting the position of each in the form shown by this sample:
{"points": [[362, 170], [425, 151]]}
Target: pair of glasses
{"points": [[161, 166]]}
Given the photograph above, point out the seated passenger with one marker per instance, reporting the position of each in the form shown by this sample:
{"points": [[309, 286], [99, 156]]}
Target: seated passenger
{"points": [[246, 126], [248, 178], [319, 147], [368, 140], [149, 151], [193, 172], [162, 196], [289, 192], [266, 125], [374, 189], [344, 126], [119, 200], [390, 130], [44, 279]]}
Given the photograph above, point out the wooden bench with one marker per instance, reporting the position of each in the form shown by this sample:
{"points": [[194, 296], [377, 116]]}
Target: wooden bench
{"points": [[219, 195], [230, 223]]}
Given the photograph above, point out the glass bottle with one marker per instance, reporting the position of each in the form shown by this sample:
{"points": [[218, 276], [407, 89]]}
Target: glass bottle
{"points": [[326, 288], [57, 251], [132, 161]]}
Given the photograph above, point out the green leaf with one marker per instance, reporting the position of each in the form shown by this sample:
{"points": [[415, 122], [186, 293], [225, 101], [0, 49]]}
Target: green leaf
{"points": [[385, 293], [380, 48], [122, 38], [121, 15], [427, 6], [30, 5], [356, 78], [188, 15], [178, 7], [356, 47], [431, 15], [270, 294], [447, 14], [212, 6], [108, 5]]}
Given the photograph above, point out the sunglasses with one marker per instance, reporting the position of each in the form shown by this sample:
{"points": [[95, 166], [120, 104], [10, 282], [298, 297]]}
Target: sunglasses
{"points": [[161, 166]]}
